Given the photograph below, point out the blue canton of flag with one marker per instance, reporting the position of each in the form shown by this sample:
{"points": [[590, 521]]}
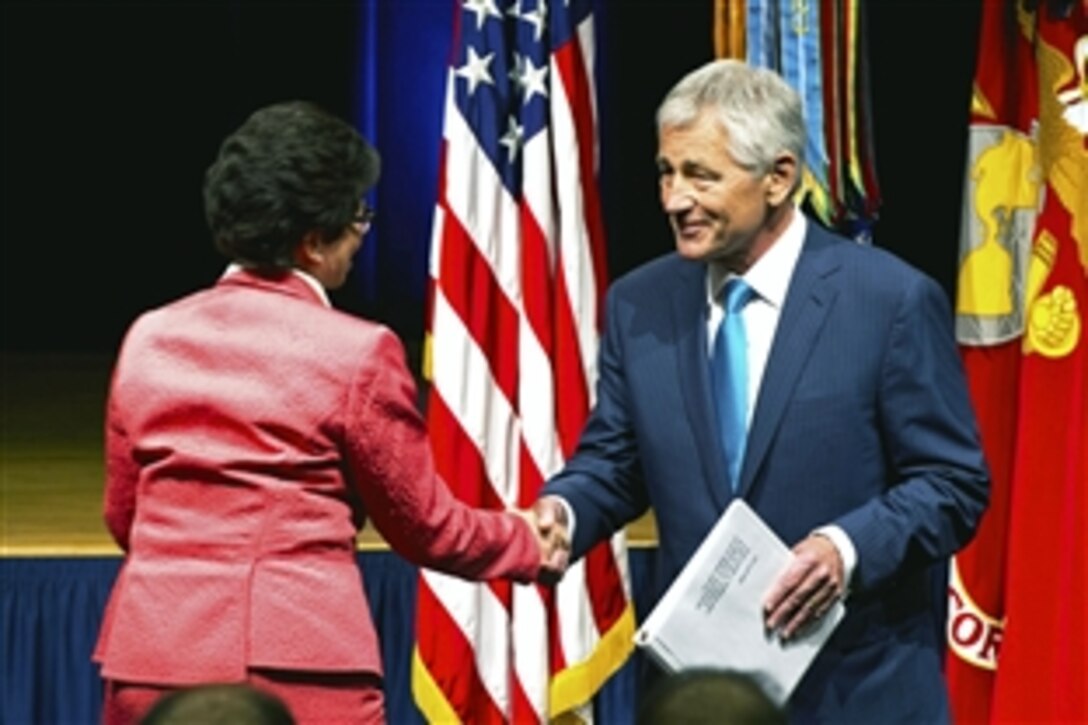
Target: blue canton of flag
{"points": [[503, 86]]}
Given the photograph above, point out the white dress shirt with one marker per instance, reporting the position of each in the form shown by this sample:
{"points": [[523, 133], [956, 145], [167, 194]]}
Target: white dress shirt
{"points": [[769, 279]]}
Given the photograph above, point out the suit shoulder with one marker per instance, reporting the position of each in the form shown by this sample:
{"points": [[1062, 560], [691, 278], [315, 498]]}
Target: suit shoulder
{"points": [[354, 337], [289, 320], [879, 266], [656, 274], [164, 316]]}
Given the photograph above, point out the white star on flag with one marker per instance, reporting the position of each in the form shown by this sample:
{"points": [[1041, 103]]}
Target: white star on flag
{"points": [[536, 18], [483, 9], [512, 139], [475, 70], [532, 79]]}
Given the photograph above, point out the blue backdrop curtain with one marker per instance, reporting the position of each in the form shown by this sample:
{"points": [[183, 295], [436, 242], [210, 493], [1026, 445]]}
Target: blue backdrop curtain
{"points": [[399, 94], [50, 610]]}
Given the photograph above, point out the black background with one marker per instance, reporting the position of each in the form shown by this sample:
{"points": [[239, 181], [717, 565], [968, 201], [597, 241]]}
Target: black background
{"points": [[112, 111]]}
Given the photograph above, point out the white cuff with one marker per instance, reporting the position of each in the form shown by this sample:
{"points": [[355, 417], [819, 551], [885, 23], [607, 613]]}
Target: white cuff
{"points": [[570, 517], [846, 549]]}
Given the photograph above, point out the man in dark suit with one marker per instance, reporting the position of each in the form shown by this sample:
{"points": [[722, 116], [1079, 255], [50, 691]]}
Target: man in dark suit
{"points": [[843, 419]]}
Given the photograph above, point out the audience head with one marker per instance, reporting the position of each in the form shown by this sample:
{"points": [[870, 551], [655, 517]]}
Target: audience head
{"points": [[226, 704], [709, 697]]}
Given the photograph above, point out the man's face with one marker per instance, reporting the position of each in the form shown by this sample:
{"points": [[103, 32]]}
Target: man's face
{"points": [[716, 207]]}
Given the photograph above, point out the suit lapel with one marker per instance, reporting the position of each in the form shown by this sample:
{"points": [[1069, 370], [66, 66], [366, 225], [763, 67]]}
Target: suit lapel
{"points": [[690, 319], [808, 301]]}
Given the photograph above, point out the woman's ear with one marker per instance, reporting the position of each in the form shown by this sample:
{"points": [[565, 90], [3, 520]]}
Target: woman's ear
{"points": [[310, 252]]}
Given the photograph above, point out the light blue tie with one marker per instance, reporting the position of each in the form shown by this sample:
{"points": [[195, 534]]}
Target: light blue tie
{"points": [[729, 373]]}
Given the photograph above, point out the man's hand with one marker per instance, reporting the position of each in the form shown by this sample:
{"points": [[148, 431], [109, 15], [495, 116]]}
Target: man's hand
{"points": [[807, 589], [548, 518]]}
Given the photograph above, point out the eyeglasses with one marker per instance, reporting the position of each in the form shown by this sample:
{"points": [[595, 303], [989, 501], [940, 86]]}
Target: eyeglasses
{"points": [[366, 216]]}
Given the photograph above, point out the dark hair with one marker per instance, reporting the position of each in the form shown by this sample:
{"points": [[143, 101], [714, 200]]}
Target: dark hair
{"points": [[226, 704], [290, 169], [709, 697]]}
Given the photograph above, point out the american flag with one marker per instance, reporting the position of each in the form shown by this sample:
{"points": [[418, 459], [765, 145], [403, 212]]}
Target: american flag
{"points": [[517, 277]]}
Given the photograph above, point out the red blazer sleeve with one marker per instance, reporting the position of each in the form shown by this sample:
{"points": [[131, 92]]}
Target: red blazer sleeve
{"points": [[390, 462], [122, 473]]}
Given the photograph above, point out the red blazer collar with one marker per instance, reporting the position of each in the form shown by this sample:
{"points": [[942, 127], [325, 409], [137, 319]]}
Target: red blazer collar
{"points": [[287, 282]]}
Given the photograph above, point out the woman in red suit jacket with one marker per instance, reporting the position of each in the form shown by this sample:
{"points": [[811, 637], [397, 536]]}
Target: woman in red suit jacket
{"points": [[252, 429]]}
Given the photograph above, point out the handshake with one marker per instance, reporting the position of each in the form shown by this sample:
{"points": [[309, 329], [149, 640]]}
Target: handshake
{"points": [[548, 518]]}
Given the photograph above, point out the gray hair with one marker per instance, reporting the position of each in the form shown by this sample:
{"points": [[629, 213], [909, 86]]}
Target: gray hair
{"points": [[760, 112]]}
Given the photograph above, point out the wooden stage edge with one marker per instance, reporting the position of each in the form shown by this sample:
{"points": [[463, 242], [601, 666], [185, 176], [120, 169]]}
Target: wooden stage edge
{"points": [[51, 467]]}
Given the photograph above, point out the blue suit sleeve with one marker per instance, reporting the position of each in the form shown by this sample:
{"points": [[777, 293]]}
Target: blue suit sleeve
{"points": [[940, 485], [603, 481]]}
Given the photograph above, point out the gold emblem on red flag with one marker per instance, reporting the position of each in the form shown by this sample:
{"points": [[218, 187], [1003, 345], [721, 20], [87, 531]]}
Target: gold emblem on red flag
{"points": [[1054, 322], [1003, 188]]}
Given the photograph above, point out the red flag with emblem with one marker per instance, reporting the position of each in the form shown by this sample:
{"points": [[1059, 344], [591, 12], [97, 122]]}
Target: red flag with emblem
{"points": [[1016, 628]]}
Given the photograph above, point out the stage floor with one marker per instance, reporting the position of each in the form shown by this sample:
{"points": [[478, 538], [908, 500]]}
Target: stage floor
{"points": [[51, 464]]}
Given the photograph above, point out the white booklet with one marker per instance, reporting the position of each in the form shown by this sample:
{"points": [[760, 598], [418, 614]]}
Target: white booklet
{"points": [[712, 615]]}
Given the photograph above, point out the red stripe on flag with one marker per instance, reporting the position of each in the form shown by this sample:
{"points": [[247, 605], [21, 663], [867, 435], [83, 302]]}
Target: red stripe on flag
{"points": [[536, 276], [469, 285], [602, 577], [522, 710], [530, 479], [576, 81], [555, 647], [457, 459], [449, 657], [571, 392]]}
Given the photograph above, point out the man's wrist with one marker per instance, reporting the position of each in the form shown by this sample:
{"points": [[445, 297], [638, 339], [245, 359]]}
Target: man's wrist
{"points": [[567, 515], [847, 553]]}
